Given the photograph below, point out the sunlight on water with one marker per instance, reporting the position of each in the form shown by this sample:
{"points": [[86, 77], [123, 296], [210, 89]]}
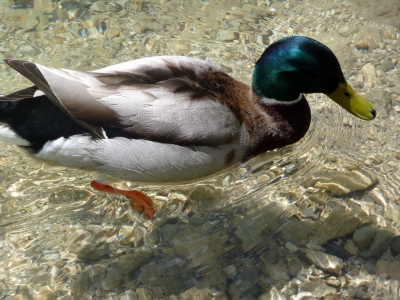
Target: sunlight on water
{"points": [[316, 219]]}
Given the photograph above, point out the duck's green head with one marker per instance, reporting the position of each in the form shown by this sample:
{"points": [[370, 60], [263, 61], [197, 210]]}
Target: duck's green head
{"points": [[299, 64]]}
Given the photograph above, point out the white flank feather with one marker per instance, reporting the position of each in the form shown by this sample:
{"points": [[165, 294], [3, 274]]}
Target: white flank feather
{"points": [[9, 136]]}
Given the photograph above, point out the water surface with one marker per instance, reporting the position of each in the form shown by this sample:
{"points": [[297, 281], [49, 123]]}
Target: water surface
{"points": [[271, 228]]}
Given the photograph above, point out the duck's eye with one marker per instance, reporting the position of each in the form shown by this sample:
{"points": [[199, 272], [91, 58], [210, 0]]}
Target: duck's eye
{"points": [[347, 94]]}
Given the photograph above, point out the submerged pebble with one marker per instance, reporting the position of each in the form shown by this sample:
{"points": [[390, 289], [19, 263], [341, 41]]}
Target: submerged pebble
{"points": [[318, 288], [367, 39], [363, 236], [326, 262], [112, 280], [342, 182]]}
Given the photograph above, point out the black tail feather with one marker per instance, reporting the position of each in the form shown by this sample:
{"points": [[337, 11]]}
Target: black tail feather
{"points": [[37, 120]]}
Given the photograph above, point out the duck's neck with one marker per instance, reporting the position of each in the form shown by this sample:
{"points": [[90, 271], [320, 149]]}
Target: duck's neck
{"points": [[280, 123]]}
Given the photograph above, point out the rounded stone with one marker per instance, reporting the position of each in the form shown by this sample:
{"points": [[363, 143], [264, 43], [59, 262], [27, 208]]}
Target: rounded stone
{"points": [[382, 239], [129, 295], [387, 65], [143, 294], [363, 236], [112, 280], [350, 247], [87, 244]]}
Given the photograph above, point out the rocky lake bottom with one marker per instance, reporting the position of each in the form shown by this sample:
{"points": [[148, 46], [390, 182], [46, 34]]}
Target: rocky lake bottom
{"points": [[315, 220]]}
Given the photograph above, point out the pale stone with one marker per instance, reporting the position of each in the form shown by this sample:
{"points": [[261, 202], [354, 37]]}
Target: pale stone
{"points": [[347, 30], [326, 262], [312, 245], [263, 2], [318, 288], [291, 247], [127, 233], [226, 35], [112, 32], [28, 50], [143, 294], [129, 295], [369, 73], [273, 294], [367, 39], [342, 182], [350, 247], [202, 294], [333, 281]]}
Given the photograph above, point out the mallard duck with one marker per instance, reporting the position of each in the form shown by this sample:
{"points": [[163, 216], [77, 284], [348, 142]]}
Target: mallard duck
{"points": [[172, 118]]}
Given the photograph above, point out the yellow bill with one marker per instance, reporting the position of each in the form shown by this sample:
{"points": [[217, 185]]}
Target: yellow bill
{"points": [[347, 98]]}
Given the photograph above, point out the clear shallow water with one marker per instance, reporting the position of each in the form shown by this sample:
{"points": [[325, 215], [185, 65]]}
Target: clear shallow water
{"points": [[231, 235]]}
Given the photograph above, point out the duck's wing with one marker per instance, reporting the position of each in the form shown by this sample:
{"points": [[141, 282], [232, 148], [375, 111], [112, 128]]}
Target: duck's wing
{"points": [[162, 99], [31, 71]]}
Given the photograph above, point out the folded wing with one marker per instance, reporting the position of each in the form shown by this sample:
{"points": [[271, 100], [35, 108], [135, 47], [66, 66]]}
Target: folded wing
{"points": [[160, 99]]}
